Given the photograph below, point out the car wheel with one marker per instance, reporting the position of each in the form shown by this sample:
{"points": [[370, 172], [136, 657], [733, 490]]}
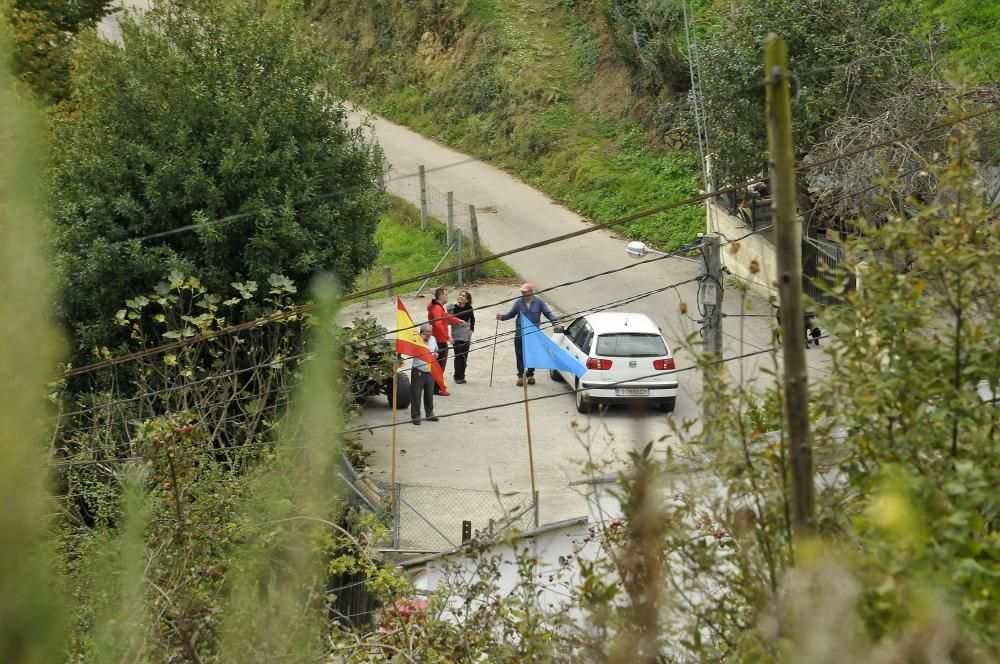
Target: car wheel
{"points": [[582, 405], [556, 376], [402, 391], [667, 406]]}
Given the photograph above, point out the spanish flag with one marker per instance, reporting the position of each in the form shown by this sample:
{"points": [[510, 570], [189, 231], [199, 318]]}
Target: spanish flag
{"points": [[409, 342]]}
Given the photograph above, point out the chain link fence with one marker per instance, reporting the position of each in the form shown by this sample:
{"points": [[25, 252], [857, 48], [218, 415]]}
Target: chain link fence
{"points": [[434, 518], [460, 239]]}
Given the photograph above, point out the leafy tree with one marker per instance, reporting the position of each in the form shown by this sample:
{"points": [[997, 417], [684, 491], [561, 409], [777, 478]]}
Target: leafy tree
{"points": [[43, 35], [846, 56], [914, 384], [205, 112]]}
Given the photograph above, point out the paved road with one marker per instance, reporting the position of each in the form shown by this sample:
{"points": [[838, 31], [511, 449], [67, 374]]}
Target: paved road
{"points": [[478, 451], [475, 451], [523, 215]]}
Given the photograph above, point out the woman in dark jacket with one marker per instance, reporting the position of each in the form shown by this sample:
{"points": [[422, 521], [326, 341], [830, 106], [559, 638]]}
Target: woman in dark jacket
{"points": [[461, 335]]}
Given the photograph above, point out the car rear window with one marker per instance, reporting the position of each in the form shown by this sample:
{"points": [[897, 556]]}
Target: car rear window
{"points": [[631, 345]]}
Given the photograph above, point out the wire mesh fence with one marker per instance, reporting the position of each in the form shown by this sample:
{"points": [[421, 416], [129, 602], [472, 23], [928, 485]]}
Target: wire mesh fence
{"points": [[434, 518], [443, 206]]}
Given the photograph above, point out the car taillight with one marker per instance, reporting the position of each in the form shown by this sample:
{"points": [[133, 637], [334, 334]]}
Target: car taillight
{"points": [[664, 365], [596, 363]]}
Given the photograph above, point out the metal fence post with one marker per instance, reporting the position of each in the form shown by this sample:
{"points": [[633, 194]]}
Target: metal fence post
{"points": [[396, 517], [477, 249], [367, 287], [451, 218], [459, 257], [387, 275], [423, 196]]}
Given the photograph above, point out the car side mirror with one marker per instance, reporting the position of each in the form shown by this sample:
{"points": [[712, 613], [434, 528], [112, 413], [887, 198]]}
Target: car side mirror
{"points": [[559, 328]]}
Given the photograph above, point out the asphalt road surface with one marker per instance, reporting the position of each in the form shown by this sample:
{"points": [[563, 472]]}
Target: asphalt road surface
{"points": [[490, 448]]}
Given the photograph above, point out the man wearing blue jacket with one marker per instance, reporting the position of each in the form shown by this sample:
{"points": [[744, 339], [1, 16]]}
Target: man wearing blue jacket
{"points": [[533, 308]]}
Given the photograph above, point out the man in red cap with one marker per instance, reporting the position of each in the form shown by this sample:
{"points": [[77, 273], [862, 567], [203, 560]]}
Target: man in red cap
{"points": [[533, 308]]}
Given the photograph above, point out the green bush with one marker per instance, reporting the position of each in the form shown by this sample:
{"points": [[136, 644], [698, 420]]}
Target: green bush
{"points": [[164, 133]]}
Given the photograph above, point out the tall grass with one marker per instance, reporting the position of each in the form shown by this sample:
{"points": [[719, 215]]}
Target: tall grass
{"points": [[31, 610], [274, 612]]}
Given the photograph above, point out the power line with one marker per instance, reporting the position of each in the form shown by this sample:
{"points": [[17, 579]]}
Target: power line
{"points": [[176, 388], [563, 394], [71, 463], [535, 245], [302, 201], [482, 344], [298, 310]]}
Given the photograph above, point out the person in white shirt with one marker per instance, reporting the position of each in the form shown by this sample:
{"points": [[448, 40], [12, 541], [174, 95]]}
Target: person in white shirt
{"points": [[421, 380]]}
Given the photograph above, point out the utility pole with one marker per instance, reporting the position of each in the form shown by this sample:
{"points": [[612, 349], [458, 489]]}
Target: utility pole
{"points": [[710, 293], [788, 244]]}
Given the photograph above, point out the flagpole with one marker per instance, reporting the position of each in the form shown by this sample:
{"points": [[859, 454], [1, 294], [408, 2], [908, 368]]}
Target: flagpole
{"points": [[531, 452], [395, 394], [493, 363]]}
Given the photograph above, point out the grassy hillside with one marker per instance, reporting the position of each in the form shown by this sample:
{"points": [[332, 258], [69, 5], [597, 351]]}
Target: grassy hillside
{"points": [[973, 32], [534, 85], [586, 99]]}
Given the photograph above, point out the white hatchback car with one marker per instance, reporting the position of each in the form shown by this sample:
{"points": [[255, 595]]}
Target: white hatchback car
{"points": [[627, 360]]}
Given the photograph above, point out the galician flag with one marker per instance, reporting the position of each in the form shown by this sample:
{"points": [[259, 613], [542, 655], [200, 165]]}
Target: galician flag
{"points": [[540, 352], [410, 343]]}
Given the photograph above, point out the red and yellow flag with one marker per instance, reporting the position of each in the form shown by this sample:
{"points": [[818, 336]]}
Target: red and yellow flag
{"points": [[409, 342]]}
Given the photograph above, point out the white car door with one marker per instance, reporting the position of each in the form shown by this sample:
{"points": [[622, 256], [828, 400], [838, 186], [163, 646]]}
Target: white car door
{"points": [[573, 341]]}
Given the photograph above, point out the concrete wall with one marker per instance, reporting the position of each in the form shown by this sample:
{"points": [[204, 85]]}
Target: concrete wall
{"points": [[756, 248]]}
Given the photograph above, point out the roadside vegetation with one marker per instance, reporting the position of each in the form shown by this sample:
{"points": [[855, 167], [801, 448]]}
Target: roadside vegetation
{"points": [[410, 251]]}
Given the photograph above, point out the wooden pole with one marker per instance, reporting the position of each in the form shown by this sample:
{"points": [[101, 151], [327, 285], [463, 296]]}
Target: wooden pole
{"points": [[788, 244], [531, 452], [395, 394], [494, 361], [459, 258], [449, 230]]}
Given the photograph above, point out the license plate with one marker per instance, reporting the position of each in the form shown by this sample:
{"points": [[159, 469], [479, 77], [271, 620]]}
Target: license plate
{"points": [[631, 391]]}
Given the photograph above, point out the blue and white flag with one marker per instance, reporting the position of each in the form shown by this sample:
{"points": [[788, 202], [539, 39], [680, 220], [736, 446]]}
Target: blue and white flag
{"points": [[540, 352]]}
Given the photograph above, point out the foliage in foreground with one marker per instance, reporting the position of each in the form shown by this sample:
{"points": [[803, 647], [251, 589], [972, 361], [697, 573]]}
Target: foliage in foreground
{"points": [[31, 601], [212, 125]]}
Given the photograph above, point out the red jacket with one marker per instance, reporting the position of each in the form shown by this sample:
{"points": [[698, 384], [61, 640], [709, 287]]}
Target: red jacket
{"points": [[440, 320]]}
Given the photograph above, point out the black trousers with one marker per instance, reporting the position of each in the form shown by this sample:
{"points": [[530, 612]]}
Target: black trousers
{"points": [[442, 360], [461, 358], [421, 387], [519, 356]]}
